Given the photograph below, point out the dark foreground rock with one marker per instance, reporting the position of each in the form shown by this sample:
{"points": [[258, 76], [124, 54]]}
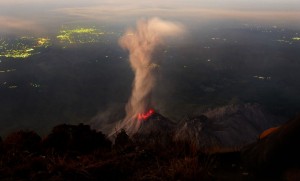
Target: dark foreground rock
{"points": [[22, 141], [80, 139], [75, 152], [276, 153]]}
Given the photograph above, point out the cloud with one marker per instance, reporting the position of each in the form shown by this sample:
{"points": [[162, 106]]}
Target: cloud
{"points": [[124, 11], [112, 13], [14, 24]]}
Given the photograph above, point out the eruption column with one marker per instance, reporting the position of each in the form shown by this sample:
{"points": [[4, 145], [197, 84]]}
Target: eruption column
{"points": [[141, 43]]}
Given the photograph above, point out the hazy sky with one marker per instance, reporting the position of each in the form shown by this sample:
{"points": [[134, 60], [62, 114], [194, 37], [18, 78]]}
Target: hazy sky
{"points": [[238, 4], [34, 14]]}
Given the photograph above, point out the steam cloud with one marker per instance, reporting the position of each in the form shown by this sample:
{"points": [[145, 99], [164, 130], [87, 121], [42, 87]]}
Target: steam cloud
{"points": [[141, 43]]}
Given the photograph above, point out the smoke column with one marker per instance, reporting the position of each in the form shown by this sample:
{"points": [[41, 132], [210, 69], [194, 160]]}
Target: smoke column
{"points": [[141, 43]]}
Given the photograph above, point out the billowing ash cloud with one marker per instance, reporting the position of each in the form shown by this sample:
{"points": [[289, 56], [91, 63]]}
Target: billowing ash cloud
{"points": [[141, 43]]}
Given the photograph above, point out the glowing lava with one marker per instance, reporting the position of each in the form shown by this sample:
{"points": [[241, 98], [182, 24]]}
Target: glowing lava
{"points": [[145, 116]]}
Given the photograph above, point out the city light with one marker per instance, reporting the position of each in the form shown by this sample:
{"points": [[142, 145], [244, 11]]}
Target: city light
{"points": [[79, 35]]}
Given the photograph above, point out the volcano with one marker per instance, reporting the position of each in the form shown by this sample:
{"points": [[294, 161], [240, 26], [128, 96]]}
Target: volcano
{"points": [[155, 127], [156, 123], [142, 42]]}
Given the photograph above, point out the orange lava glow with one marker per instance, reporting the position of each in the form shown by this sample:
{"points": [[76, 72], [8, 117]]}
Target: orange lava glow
{"points": [[268, 132], [145, 116]]}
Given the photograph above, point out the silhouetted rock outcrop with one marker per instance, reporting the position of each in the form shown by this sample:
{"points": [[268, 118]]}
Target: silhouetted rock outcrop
{"points": [[1, 145], [123, 143], [122, 139], [22, 141], [79, 139]]}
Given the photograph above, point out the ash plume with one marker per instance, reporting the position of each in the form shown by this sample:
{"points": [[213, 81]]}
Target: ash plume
{"points": [[141, 43]]}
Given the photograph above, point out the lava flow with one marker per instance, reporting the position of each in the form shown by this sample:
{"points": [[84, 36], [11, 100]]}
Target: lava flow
{"points": [[145, 116]]}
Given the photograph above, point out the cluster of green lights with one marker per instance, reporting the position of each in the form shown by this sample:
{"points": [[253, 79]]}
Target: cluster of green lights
{"points": [[9, 86], [23, 47], [79, 35], [35, 85], [296, 38], [18, 53], [8, 70], [43, 42], [13, 87]]}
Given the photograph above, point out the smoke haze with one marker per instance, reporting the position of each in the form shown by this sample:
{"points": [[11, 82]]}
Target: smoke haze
{"points": [[141, 43]]}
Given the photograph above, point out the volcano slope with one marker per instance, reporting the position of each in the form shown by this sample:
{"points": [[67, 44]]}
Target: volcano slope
{"points": [[231, 126], [155, 128]]}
